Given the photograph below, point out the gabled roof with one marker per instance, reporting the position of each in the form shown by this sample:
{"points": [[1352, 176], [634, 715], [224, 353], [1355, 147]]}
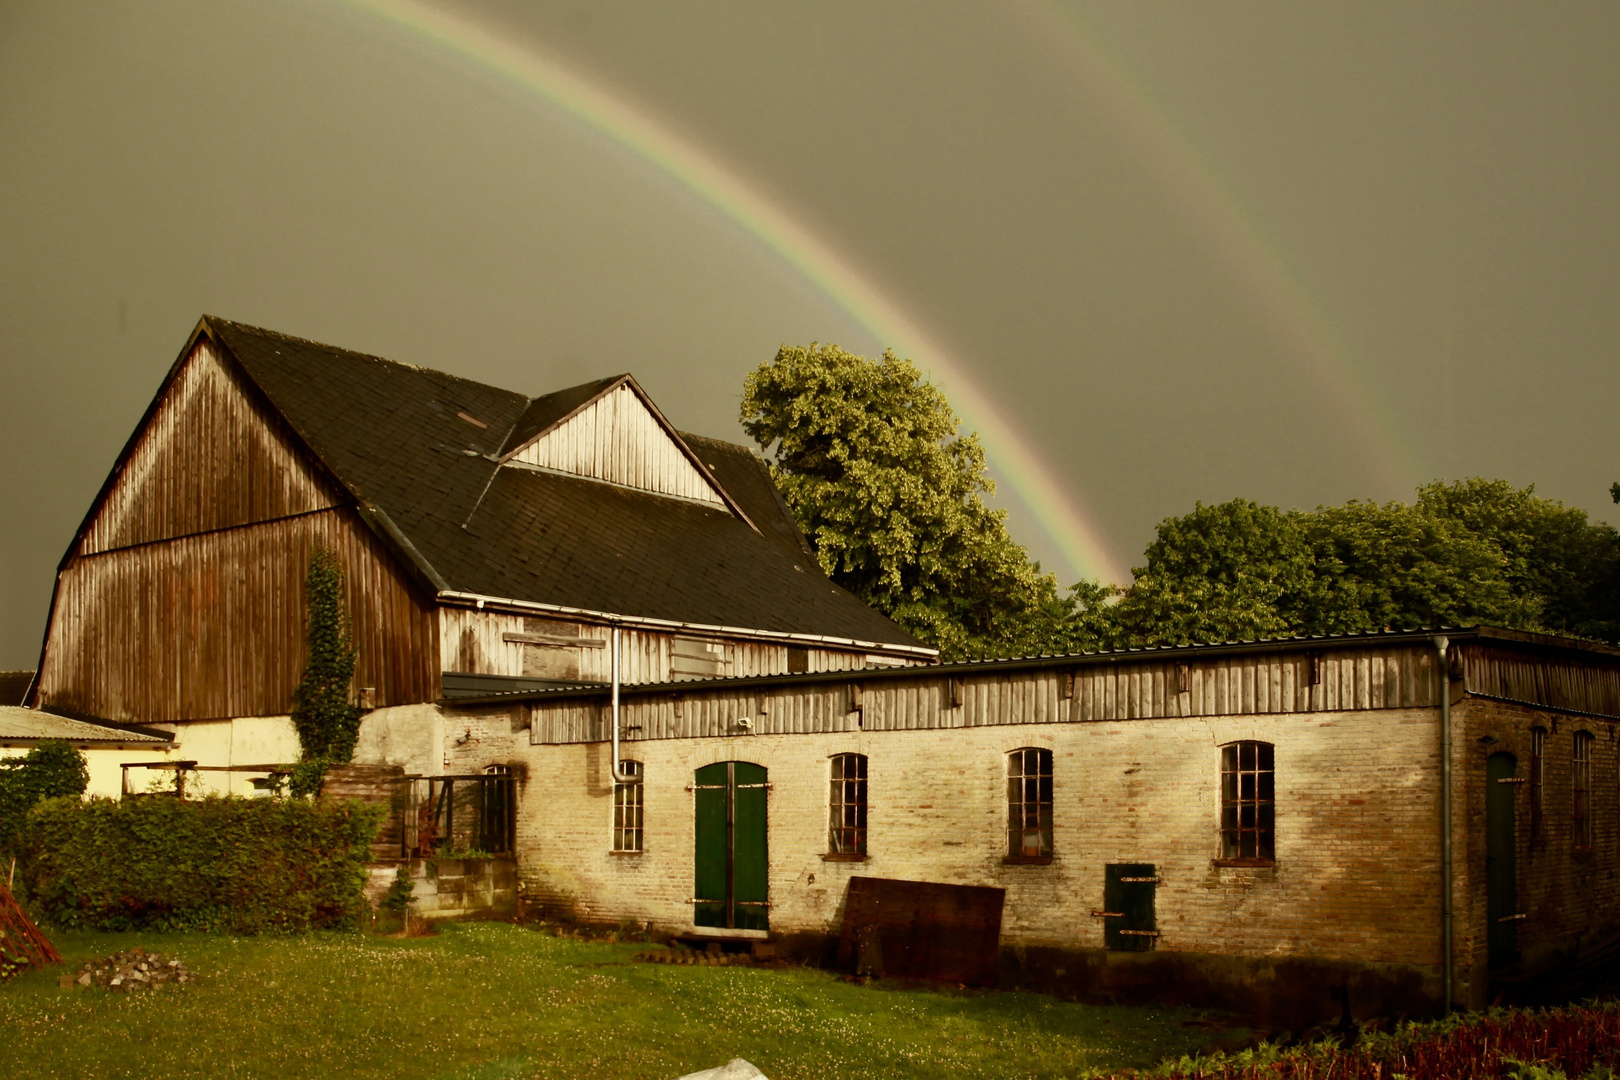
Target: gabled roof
{"points": [[544, 413], [420, 452]]}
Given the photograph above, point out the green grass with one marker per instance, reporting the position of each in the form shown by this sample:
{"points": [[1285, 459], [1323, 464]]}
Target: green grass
{"points": [[489, 1000]]}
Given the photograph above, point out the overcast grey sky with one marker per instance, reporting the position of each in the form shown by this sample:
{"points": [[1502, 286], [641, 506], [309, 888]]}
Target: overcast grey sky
{"points": [[1299, 253]]}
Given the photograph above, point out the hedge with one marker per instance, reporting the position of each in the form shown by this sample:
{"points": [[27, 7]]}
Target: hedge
{"points": [[239, 865]]}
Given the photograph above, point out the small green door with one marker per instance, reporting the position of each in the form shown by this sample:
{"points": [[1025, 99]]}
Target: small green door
{"points": [[1501, 861], [1129, 890], [730, 864]]}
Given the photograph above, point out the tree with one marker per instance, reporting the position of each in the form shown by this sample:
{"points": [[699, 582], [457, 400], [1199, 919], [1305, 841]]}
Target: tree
{"points": [[868, 457], [1555, 552], [1230, 572], [1473, 551], [328, 725]]}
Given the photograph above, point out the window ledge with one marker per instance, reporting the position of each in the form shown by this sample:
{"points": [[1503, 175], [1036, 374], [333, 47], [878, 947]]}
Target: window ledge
{"points": [[1027, 860], [627, 853], [843, 856], [1257, 864]]}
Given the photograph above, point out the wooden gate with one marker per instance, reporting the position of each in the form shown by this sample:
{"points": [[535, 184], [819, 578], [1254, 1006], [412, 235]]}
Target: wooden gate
{"points": [[732, 888]]}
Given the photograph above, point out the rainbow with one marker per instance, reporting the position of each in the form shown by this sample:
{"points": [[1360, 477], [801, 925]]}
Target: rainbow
{"points": [[1035, 485], [1234, 231]]}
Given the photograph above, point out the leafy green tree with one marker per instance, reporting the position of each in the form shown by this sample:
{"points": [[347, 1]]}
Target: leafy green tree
{"points": [[868, 456], [1554, 552], [1235, 571], [51, 768], [1399, 567], [1473, 551], [328, 724]]}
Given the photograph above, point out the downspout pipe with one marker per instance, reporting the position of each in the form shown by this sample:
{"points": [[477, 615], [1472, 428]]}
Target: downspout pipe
{"points": [[619, 775], [1442, 648]]}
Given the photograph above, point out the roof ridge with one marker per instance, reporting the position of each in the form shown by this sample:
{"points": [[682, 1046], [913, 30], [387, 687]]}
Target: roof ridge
{"points": [[264, 331]]}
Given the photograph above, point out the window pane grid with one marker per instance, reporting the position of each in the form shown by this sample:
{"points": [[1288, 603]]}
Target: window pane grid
{"points": [[1029, 803], [627, 821], [1538, 747], [1248, 806], [846, 829], [1581, 785]]}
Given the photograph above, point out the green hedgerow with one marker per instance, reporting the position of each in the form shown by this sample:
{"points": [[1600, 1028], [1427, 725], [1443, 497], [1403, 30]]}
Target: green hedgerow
{"points": [[241, 865]]}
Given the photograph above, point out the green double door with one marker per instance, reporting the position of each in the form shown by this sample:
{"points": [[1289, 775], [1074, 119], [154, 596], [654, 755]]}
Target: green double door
{"points": [[732, 886]]}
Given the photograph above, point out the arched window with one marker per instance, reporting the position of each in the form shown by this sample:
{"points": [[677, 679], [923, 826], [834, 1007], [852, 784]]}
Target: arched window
{"points": [[1580, 777], [1248, 802], [627, 809], [1029, 805], [1538, 787], [846, 807]]}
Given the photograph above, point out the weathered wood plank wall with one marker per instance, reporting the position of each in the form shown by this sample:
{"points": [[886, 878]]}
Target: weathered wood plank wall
{"points": [[474, 641], [1565, 684], [616, 439], [212, 626], [1260, 683], [207, 460]]}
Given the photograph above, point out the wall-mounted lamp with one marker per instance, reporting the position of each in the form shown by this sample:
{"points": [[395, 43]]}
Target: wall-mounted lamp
{"points": [[1488, 740]]}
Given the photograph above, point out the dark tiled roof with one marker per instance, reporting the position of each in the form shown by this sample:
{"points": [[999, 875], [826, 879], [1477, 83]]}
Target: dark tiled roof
{"points": [[747, 479], [422, 447], [543, 412]]}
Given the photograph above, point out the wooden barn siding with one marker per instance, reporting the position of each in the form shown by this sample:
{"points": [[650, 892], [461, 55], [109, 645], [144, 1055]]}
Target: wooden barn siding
{"points": [[618, 440], [1221, 686], [1555, 683], [212, 626], [207, 460], [467, 634]]}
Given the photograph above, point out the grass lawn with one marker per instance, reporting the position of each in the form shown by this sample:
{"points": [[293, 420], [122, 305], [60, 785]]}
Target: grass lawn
{"points": [[488, 1000]]}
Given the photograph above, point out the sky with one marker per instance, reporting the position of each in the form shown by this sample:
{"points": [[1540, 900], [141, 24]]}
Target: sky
{"points": [[1155, 253]]}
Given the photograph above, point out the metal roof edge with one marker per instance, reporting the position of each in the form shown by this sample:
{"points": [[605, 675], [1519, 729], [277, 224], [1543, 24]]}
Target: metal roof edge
{"points": [[1013, 664]]}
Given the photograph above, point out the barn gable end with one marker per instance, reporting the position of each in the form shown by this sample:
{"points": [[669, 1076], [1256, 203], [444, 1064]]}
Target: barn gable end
{"points": [[618, 438], [208, 459]]}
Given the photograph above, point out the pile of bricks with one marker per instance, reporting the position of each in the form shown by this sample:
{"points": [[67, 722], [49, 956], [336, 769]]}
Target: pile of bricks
{"points": [[130, 971]]}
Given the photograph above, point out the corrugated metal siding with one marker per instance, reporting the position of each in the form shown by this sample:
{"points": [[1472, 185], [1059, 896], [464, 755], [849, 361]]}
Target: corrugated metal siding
{"points": [[616, 439], [1554, 683], [213, 626], [207, 460], [473, 641], [1219, 686]]}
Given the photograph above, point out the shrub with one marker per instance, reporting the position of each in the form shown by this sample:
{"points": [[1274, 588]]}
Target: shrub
{"points": [[1529, 1044], [239, 865], [50, 769], [327, 723]]}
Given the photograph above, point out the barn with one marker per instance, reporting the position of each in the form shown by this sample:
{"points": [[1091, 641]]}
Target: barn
{"points": [[491, 541], [612, 635]]}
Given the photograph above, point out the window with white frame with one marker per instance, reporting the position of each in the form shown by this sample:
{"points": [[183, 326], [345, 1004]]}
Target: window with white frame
{"points": [[846, 827], [627, 809]]}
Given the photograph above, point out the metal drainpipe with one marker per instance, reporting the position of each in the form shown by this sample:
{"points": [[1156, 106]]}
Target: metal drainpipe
{"points": [[1442, 645], [619, 776]]}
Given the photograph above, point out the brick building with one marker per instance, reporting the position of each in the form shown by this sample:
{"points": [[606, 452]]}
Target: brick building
{"points": [[1279, 804]]}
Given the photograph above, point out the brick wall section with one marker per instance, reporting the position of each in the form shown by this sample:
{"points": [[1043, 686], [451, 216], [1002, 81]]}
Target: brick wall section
{"points": [[1571, 901], [1356, 877]]}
